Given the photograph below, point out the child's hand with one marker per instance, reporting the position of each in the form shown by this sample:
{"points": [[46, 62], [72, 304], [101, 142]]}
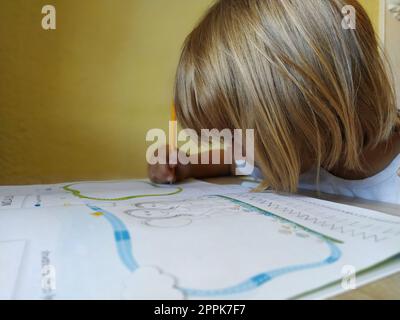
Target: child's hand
{"points": [[169, 173]]}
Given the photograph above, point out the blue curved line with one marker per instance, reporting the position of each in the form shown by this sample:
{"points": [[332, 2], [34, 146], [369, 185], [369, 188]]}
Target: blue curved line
{"points": [[262, 278], [124, 248], [122, 239]]}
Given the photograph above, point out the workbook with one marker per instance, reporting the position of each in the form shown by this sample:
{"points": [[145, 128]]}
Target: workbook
{"points": [[196, 240]]}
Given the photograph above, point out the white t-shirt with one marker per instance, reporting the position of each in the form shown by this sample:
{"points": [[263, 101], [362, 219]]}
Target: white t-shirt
{"points": [[382, 187]]}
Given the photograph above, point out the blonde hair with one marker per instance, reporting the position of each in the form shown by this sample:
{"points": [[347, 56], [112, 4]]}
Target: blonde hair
{"points": [[289, 70]]}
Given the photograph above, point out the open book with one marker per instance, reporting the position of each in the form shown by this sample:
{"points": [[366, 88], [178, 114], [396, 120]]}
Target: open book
{"points": [[136, 240]]}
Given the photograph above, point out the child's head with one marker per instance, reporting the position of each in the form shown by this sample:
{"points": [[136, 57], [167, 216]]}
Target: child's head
{"points": [[315, 92]]}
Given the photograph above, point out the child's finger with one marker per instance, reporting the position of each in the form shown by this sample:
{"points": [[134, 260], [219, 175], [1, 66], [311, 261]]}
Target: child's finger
{"points": [[165, 174]]}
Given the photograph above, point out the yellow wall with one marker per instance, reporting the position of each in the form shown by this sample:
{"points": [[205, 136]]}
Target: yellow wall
{"points": [[76, 103], [372, 7]]}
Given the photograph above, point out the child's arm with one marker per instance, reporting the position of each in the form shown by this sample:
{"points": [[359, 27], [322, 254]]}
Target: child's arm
{"points": [[168, 173]]}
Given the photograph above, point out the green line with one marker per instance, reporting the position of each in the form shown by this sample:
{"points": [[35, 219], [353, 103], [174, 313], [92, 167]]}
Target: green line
{"points": [[244, 204], [78, 194]]}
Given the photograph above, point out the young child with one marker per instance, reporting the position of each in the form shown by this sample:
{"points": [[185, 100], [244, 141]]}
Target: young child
{"points": [[316, 93]]}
